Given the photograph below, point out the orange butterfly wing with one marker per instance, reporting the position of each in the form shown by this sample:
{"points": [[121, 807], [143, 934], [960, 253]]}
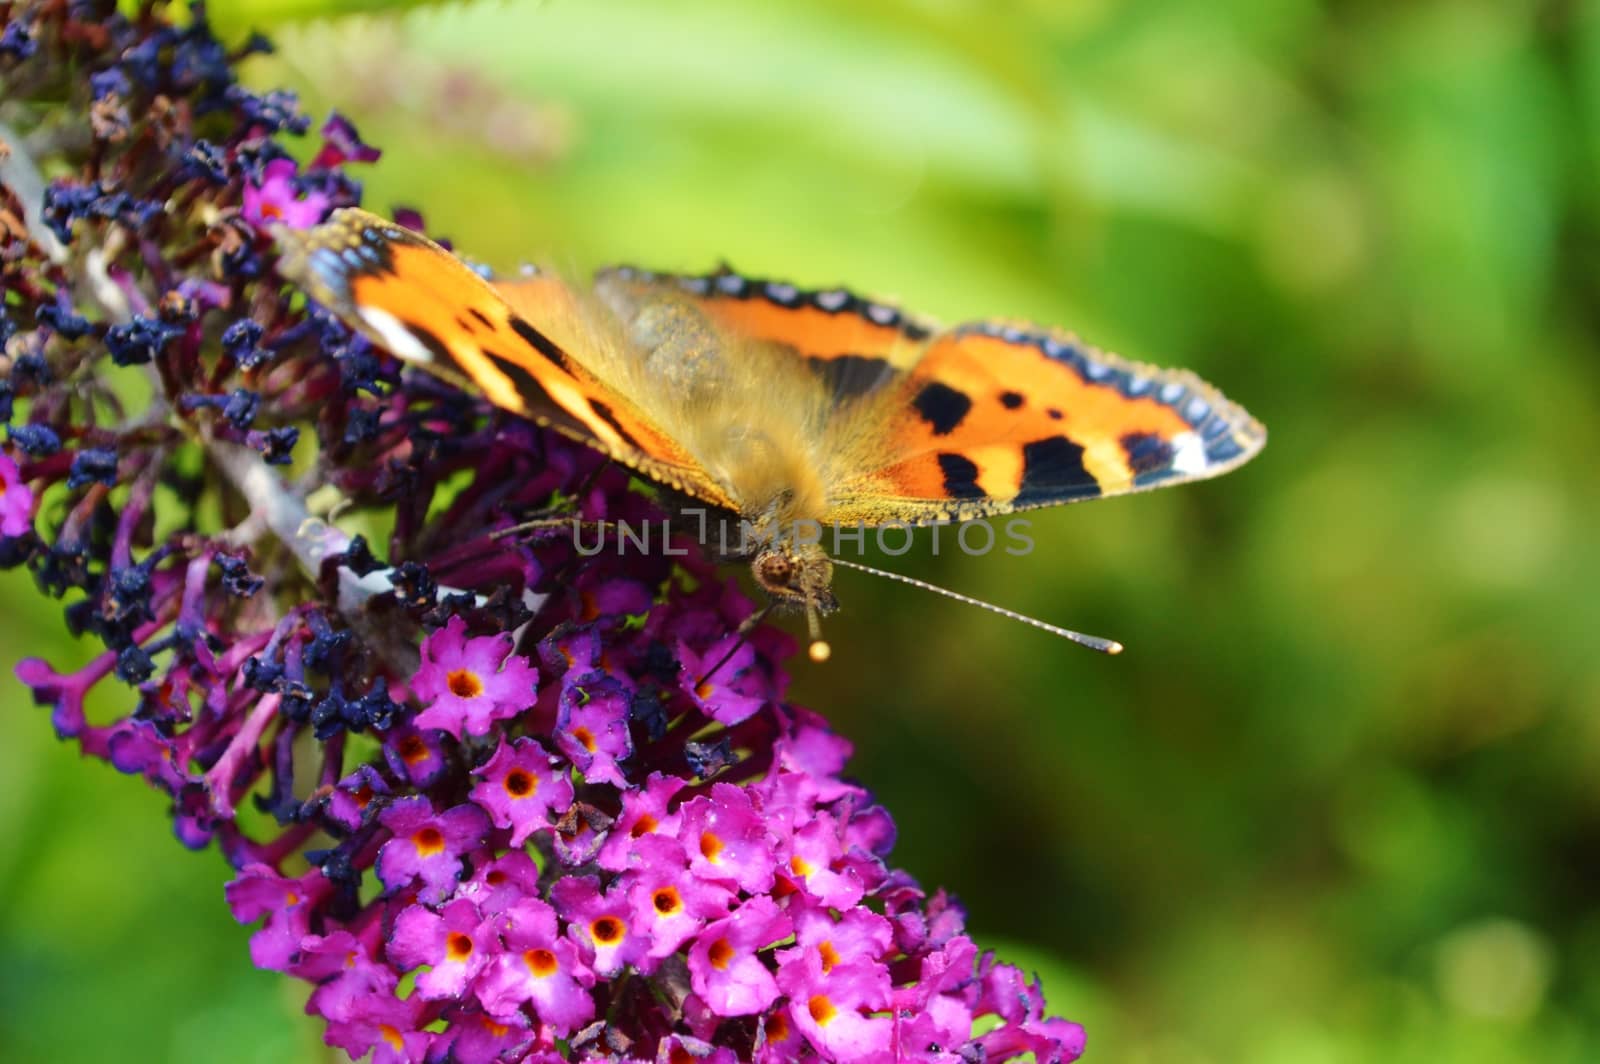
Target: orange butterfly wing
{"points": [[986, 418], [997, 417], [424, 305], [855, 345]]}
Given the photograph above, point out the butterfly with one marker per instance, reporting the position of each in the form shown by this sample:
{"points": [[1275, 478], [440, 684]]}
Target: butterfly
{"points": [[778, 406]]}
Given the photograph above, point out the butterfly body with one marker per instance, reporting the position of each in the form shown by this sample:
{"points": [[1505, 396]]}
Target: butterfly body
{"points": [[788, 409]]}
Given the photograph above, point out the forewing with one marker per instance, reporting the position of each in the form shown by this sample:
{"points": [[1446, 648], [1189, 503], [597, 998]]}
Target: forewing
{"points": [[424, 305]]}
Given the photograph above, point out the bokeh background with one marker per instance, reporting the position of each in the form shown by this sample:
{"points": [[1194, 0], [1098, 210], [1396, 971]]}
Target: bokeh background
{"points": [[1340, 800]]}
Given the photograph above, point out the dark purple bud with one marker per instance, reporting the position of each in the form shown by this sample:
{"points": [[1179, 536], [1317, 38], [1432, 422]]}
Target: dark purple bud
{"points": [[256, 44], [15, 43], [240, 408], [134, 665], [95, 465], [330, 715], [358, 558], [262, 674], [360, 427], [275, 112], [67, 325], [136, 342], [341, 144], [205, 160], [31, 369], [375, 709], [40, 441], [239, 340], [413, 587], [110, 82], [276, 445], [143, 60], [707, 759], [237, 578]]}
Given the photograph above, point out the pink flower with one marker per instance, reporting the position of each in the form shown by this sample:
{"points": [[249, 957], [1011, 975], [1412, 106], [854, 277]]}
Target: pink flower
{"points": [[276, 199], [724, 968], [352, 797], [519, 789], [16, 500], [592, 728], [428, 845], [726, 839], [538, 967], [644, 813], [468, 684], [346, 971], [601, 923], [670, 904], [286, 903], [728, 692], [831, 1003], [455, 943], [386, 1026], [498, 885]]}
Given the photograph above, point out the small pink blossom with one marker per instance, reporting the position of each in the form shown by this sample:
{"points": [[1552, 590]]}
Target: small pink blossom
{"points": [[520, 789], [276, 199], [468, 684], [16, 500]]}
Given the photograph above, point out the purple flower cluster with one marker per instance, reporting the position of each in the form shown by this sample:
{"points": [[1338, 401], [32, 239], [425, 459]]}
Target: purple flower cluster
{"points": [[491, 800]]}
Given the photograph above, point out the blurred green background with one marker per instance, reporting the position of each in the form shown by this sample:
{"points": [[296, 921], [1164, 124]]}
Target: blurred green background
{"points": [[1340, 800]]}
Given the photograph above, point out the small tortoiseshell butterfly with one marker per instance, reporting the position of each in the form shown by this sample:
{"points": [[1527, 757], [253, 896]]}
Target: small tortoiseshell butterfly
{"points": [[777, 405]]}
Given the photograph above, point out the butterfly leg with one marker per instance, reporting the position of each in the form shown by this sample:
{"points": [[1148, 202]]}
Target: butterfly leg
{"points": [[565, 513]]}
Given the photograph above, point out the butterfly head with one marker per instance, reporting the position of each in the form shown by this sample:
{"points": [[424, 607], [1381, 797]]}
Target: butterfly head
{"points": [[798, 576]]}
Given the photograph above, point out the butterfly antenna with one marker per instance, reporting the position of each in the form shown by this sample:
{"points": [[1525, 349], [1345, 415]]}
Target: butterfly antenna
{"points": [[746, 626], [1093, 642]]}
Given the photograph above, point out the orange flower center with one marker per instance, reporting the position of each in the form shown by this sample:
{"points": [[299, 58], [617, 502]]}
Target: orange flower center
{"points": [[778, 1028], [667, 901], [541, 962], [428, 842], [607, 930], [643, 826], [584, 737], [458, 947], [520, 784], [710, 846], [413, 749], [392, 1036], [464, 683], [720, 954], [821, 1009], [830, 956]]}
